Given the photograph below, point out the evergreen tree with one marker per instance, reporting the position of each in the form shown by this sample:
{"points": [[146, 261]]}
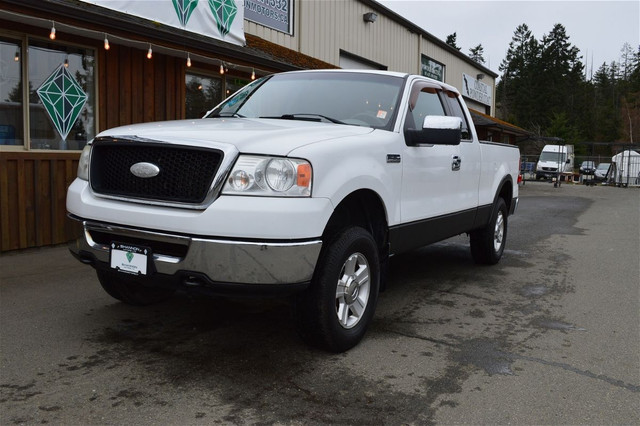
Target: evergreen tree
{"points": [[451, 41], [562, 73], [477, 54], [626, 61], [517, 91], [606, 114]]}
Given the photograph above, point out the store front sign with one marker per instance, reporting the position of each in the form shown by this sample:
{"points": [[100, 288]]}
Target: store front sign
{"points": [[432, 69], [276, 14], [476, 90], [219, 19]]}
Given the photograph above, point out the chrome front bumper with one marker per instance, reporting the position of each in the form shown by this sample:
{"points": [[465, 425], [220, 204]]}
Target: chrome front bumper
{"points": [[215, 260]]}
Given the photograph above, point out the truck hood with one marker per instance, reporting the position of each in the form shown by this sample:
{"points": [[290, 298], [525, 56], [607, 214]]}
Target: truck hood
{"points": [[248, 135]]}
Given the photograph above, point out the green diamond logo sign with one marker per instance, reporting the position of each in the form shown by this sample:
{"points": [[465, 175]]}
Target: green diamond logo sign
{"points": [[129, 256], [224, 12], [184, 9], [63, 98]]}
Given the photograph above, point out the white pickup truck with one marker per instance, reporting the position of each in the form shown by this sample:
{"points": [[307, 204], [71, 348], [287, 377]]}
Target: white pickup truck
{"points": [[302, 183]]}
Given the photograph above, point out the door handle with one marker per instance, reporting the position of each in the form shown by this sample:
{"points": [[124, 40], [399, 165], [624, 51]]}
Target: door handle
{"points": [[455, 163]]}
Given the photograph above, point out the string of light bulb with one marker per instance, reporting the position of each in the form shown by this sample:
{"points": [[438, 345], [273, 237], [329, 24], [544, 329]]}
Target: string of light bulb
{"points": [[56, 26]]}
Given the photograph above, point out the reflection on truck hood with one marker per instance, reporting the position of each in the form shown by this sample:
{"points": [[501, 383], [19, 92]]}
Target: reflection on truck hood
{"points": [[249, 135]]}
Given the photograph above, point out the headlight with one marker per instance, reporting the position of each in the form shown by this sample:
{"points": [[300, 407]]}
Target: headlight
{"points": [[83, 163], [269, 176]]}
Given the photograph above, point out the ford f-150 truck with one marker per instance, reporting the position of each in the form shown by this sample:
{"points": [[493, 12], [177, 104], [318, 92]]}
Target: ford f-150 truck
{"points": [[302, 183]]}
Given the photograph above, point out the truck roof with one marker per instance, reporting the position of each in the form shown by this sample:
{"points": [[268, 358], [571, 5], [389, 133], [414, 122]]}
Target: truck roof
{"points": [[381, 72]]}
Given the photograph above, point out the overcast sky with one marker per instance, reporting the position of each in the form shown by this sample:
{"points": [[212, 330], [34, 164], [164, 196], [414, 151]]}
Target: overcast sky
{"points": [[598, 28]]}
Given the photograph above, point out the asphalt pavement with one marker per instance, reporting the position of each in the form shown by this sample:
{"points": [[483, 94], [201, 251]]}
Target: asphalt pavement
{"points": [[550, 335]]}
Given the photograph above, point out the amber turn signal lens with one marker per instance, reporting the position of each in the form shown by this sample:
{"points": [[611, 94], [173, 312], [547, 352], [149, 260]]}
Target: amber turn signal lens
{"points": [[304, 175]]}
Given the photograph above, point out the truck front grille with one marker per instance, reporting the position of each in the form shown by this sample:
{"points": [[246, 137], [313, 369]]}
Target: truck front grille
{"points": [[186, 173]]}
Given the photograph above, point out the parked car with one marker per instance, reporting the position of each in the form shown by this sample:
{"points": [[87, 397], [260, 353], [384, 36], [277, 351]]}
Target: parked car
{"points": [[587, 167], [601, 171]]}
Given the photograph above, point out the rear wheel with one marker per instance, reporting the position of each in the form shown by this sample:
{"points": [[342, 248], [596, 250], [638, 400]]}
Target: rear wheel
{"points": [[131, 292], [336, 310], [487, 244]]}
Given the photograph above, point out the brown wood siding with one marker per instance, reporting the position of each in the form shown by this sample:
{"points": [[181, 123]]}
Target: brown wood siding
{"points": [[33, 185], [134, 89], [33, 188]]}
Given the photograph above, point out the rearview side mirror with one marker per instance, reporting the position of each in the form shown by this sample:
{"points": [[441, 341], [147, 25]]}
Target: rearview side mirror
{"points": [[436, 130]]}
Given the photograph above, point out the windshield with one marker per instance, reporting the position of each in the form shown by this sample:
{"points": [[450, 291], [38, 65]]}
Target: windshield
{"points": [[603, 166], [553, 156], [345, 98]]}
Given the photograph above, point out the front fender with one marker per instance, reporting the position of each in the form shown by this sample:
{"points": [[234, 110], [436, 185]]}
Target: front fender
{"points": [[346, 165]]}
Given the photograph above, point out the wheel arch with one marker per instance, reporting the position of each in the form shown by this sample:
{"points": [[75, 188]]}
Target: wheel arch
{"points": [[505, 191], [363, 208]]}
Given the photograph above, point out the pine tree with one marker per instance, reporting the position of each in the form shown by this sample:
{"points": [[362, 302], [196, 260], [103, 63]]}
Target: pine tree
{"points": [[477, 54], [562, 71], [626, 61], [517, 91], [451, 41]]}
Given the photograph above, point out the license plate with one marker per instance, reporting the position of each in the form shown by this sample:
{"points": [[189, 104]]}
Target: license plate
{"points": [[129, 258]]}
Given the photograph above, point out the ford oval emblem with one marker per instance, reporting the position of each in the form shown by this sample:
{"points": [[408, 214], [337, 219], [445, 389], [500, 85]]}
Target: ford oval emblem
{"points": [[145, 170]]}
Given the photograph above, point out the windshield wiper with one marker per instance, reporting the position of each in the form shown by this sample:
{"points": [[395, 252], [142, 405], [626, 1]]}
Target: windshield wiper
{"points": [[226, 115], [307, 117]]}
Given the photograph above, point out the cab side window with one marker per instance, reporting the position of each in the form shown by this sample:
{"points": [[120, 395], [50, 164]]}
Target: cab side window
{"points": [[456, 110], [423, 102]]}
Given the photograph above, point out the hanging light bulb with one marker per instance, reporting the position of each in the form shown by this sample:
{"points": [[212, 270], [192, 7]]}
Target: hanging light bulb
{"points": [[106, 42], [253, 74], [52, 34], [149, 52], [188, 60], [221, 68], [17, 57], [66, 62]]}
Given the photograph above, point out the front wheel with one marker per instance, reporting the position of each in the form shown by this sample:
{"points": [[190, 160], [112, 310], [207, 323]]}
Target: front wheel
{"points": [[336, 310], [487, 244]]}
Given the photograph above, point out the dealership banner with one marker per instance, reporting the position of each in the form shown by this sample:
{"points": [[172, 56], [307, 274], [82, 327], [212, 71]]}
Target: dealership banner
{"points": [[219, 19]]}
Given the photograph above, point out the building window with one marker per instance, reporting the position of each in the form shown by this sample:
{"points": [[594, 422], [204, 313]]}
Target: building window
{"points": [[202, 94], [234, 84], [11, 103], [61, 96]]}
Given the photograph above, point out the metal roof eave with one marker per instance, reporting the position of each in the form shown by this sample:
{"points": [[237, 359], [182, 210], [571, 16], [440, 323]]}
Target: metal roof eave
{"points": [[99, 19]]}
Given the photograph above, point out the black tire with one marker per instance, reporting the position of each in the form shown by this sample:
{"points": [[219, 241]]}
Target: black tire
{"points": [[333, 317], [487, 244], [128, 291]]}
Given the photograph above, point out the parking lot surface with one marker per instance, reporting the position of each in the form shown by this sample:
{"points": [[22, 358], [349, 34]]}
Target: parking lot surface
{"points": [[550, 335]]}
